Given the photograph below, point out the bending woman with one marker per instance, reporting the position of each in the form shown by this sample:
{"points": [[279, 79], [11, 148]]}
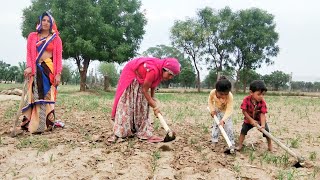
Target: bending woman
{"points": [[44, 66], [135, 93]]}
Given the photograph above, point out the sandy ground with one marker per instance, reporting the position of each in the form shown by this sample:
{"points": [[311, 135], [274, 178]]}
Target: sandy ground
{"points": [[80, 151]]}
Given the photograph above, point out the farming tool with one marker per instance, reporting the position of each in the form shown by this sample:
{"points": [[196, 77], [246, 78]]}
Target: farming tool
{"points": [[170, 135], [231, 149], [301, 160], [18, 113]]}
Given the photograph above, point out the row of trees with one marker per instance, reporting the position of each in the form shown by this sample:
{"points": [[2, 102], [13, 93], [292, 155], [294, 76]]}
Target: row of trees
{"points": [[11, 73], [241, 41], [111, 31], [276, 80]]}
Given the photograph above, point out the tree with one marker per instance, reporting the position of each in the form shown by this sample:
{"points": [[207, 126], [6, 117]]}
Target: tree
{"points": [[247, 76], [254, 39], [279, 79], [298, 85], [66, 74], [211, 79], [20, 76], [316, 86], [187, 35], [109, 70], [4, 68], [104, 30], [75, 77], [187, 77], [217, 35]]}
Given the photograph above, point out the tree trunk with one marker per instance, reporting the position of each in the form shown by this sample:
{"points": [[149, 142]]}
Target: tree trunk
{"points": [[83, 68], [237, 81], [198, 73], [106, 84], [198, 80], [83, 79], [218, 75], [244, 86]]}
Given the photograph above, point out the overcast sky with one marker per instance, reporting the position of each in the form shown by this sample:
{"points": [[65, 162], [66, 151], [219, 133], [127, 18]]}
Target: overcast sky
{"points": [[297, 23]]}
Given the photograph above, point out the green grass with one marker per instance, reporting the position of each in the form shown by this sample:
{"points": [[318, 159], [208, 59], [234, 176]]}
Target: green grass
{"points": [[37, 142], [154, 162], [11, 111], [10, 86]]}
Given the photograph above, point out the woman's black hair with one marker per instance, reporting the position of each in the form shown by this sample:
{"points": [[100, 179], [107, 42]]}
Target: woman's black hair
{"points": [[223, 84]]}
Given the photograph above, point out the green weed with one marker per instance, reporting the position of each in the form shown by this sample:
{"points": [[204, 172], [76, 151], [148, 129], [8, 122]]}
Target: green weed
{"points": [[294, 143], [236, 168], [156, 124], [34, 142], [252, 156], [313, 156], [51, 158], [155, 157]]}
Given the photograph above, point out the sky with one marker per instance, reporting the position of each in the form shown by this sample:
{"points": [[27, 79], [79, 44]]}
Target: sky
{"points": [[297, 22]]}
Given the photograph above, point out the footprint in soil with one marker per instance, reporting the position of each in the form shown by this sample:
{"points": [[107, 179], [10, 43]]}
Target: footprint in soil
{"points": [[165, 148]]}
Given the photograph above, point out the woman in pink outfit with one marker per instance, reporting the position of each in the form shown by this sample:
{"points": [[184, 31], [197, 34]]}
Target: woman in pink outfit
{"points": [[44, 66], [135, 94]]}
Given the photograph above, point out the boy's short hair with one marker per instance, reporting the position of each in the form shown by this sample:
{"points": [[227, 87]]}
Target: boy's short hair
{"points": [[258, 85], [223, 85]]}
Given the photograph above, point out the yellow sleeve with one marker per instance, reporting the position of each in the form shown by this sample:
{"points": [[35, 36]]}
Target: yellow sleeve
{"points": [[211, 100], [229, 109]]}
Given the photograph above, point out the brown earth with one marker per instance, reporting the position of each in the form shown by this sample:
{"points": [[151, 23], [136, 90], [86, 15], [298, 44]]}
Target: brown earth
{"points": [[80, 151]]}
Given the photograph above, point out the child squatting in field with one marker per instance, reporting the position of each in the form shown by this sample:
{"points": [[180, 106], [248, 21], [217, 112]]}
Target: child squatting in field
{"points": [[220, 102], [254, 109]]}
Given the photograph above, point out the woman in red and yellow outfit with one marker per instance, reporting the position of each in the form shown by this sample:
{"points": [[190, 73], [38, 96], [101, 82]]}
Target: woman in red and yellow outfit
{"points": [[44, 66]]}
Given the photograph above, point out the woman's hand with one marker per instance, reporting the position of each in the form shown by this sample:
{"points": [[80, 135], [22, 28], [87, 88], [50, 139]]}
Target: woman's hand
{"points": [[222, 123], [27, 72], [213, 113], [156, 111], [57, 80]]}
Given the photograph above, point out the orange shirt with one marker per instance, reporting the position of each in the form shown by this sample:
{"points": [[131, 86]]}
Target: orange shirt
{"points": [[226, 107]]}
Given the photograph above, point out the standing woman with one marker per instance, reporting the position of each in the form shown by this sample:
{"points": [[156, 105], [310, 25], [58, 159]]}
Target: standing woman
{"points": [[135, 94], [44, 66]]}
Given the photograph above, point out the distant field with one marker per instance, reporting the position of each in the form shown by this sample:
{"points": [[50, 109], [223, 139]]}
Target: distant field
{"points": [[79, 150]]}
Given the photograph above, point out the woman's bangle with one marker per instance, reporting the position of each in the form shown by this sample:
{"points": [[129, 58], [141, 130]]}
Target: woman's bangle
{"points": [[155, 108]]}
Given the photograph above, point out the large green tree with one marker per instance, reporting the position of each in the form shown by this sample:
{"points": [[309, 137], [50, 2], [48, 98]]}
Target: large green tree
{"points": [[217, 35], [254, 39], [188, 36], [104, 30]]}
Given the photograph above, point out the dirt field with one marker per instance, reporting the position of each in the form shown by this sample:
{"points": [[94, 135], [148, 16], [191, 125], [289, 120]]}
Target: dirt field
{"points": [[80, 151]]}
